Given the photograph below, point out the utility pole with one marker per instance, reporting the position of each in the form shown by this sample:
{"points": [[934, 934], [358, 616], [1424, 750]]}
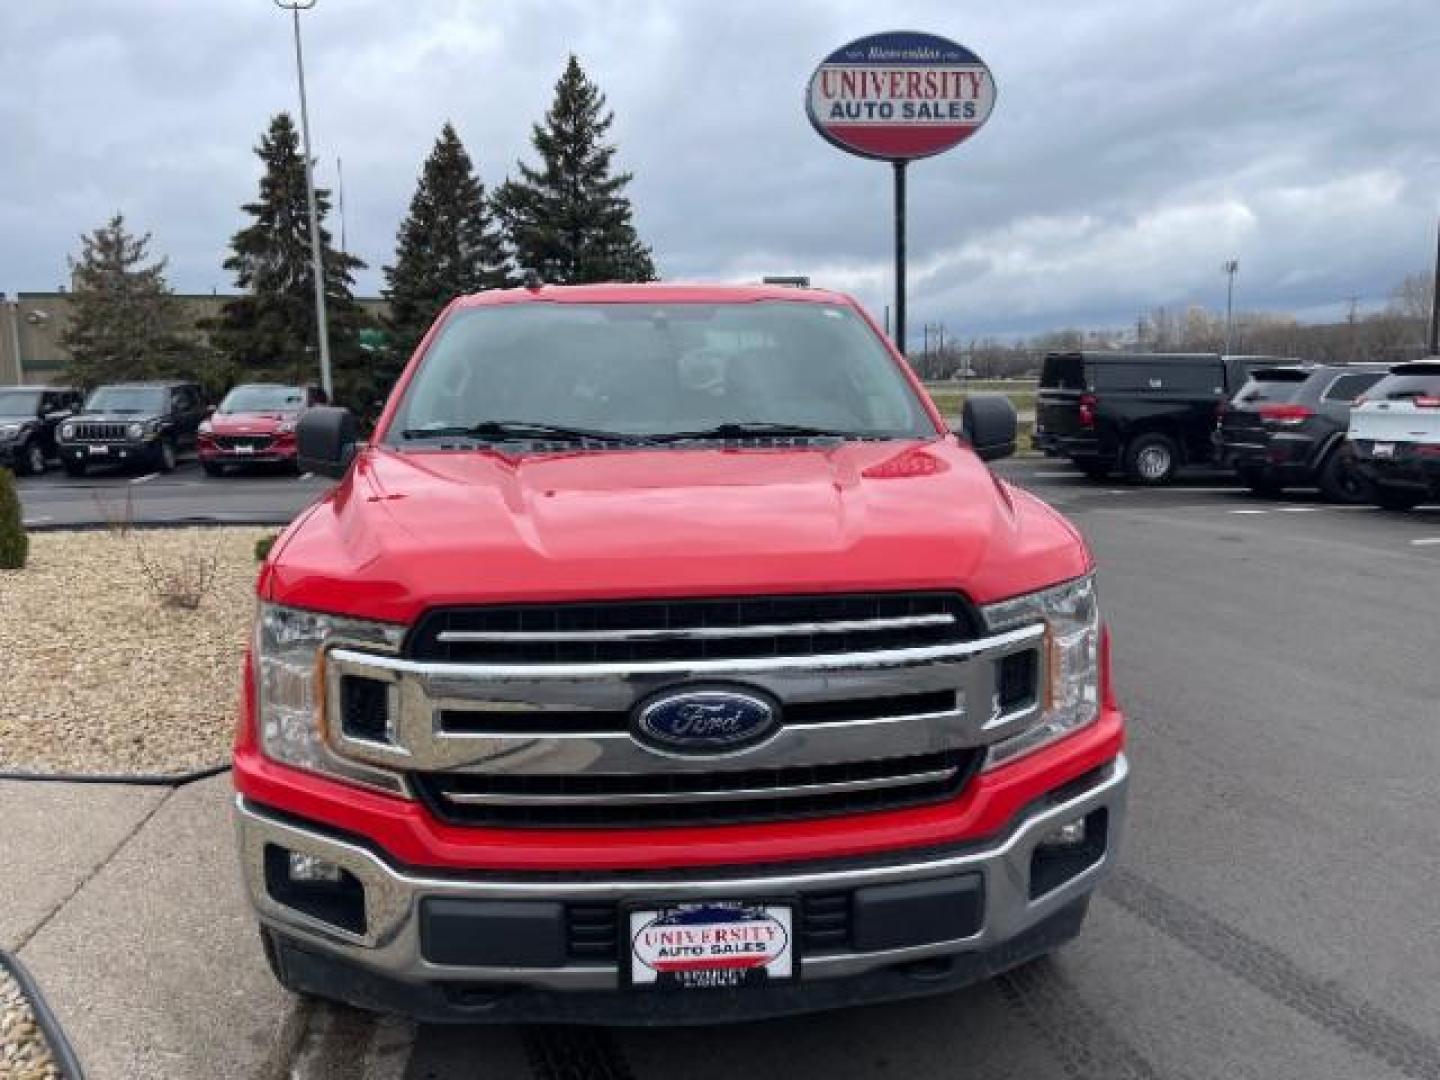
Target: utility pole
{"points": [[1433, 341], [1230, 266], [317, 257]]}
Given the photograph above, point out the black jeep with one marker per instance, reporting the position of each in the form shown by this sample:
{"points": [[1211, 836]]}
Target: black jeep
{"points": [[140, 425], [29, 416], [1144, 413]]}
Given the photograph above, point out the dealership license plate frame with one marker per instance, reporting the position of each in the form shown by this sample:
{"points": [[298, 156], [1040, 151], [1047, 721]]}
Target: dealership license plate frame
{"points": [[1383, 450], [629, 960], [94, 450]]}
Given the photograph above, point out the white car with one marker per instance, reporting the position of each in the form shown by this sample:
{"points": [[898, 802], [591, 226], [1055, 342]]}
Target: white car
{"points": [[1395, 430]]}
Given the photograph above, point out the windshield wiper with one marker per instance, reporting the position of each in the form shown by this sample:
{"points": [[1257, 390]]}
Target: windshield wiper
{"points": [[523, 430], [752, 429]]}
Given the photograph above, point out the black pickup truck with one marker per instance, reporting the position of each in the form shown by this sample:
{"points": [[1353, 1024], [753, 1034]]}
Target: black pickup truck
{"points": [[1147, 414]]}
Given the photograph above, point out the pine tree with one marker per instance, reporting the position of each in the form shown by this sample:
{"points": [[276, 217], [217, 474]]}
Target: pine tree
{"points": [[569, 219], [270, 331], [447, 245], [125, 323]]}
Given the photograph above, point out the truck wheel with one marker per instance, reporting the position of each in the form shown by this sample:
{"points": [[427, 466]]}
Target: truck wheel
{"points": [[74, 468], [1151, 459], [1094, 468], [1340, 481], [165, 456], [33, 459], [1397, 499], [1261, 483]]}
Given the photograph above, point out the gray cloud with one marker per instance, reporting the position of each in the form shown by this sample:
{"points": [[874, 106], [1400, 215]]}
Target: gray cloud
{"points": [[1133, 148]]}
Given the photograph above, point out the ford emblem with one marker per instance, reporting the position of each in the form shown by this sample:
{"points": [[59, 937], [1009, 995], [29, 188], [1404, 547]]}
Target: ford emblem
{"points": [[705, 721]]}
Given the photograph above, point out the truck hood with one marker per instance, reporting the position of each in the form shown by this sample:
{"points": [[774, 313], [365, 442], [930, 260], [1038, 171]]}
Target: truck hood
{"points": [[405, 531]]}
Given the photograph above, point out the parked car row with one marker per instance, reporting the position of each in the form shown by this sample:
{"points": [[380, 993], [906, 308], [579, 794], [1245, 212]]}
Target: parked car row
{"points": [[1361, 433], [148, 425]]}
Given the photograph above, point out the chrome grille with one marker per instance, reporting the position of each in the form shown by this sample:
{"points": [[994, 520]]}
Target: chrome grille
{"points": [[721, 798], [92, 431], [885, 702], [692, 629]]}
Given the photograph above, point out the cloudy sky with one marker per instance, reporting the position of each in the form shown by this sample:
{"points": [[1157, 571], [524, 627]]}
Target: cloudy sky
{"points": [[1135, 145]]}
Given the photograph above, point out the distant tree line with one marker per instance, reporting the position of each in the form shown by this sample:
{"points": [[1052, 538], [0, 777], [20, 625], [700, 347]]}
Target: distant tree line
{"points": [[1393, 334], [566, 216]]}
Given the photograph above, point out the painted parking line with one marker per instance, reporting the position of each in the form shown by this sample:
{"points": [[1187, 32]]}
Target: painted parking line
{"points": [[305, 476], [1060, 475], [1248, 511], [145, 479], [1426, 541], [1297, 509], [37, 520]]}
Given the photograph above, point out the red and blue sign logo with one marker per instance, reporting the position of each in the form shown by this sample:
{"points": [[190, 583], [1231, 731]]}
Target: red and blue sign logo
{"points": [[900, 95]]}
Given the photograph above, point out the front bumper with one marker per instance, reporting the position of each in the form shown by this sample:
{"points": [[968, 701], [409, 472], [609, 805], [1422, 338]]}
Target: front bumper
{"points": [[111, 453], [278, 452], [382, 961]]}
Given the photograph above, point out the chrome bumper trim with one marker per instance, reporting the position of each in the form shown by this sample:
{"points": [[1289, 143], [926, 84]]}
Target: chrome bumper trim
{"points": [[391, 942]]}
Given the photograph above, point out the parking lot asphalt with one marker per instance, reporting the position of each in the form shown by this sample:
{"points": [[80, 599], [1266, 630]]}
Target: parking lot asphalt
{"points": [[1274, 912], [262, 496]]}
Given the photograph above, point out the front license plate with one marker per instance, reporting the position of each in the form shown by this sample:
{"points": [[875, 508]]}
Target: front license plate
{"points": [[99, 451], [1384, 449], [244, 449], [714, 945]]}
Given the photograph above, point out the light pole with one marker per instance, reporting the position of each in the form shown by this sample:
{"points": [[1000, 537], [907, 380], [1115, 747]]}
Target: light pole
{"points": [[1231, 265], [317, 257]]}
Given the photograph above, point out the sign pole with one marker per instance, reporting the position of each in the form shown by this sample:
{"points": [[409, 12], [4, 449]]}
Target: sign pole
{"points": [[900, 253]]}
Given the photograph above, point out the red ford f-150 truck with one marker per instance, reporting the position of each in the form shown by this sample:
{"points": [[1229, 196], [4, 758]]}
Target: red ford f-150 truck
{"points": [[662, 657]]}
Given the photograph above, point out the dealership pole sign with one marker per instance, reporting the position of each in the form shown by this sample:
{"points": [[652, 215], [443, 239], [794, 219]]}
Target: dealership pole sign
{"points": [[896, 97]]}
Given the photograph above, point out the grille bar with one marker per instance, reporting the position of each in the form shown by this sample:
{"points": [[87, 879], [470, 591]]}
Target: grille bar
{"points": [[834, 787], [97, 432], [699, 633]]}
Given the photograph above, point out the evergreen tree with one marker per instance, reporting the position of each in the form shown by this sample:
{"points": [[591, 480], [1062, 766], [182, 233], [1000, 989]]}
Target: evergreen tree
{"points": [[125, 323], [569, 219], [270, 331], [447, 245]]}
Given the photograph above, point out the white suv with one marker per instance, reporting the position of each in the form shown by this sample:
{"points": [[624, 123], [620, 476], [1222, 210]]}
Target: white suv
{"points": [[1395, 430]]}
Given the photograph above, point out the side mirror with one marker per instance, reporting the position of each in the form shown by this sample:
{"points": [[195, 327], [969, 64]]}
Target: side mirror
{"points": [[325, 440], [989, 424]]}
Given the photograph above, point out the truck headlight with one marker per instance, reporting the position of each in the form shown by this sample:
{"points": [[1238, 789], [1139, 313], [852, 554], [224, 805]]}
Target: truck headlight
{"points": [[9, 431], [290, 647], [135, 431], [1072, 640], [67, 431]]}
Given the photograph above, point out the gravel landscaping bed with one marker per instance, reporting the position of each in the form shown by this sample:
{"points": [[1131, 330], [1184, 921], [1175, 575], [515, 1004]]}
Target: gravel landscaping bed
{"points": [[24, 1054], [100, 675]]}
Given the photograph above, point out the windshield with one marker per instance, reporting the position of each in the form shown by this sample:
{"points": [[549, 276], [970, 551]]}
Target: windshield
{"points": [[245, 399], [658, 369], [19, 402], [1406, 386], [127, 399]]}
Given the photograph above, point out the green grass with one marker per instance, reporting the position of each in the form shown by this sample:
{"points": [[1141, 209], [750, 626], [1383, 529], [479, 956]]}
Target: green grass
{"points": [[949, 397]]}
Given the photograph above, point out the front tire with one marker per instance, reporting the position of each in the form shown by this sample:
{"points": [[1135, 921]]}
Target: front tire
{"points": [[33, 459], [1151, 459], [1397, 500], [165, 458], [1340, 481]]}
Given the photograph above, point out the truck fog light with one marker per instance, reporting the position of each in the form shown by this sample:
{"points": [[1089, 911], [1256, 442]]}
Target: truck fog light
{"points": [[1070, 834], [312, 868]]}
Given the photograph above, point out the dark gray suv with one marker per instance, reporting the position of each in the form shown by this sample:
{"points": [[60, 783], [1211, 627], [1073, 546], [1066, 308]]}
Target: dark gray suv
{"points": [[1286, 428]]}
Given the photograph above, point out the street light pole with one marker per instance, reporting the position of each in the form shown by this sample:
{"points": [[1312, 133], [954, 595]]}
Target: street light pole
{"points": [[322, 323], [1231, 265]]}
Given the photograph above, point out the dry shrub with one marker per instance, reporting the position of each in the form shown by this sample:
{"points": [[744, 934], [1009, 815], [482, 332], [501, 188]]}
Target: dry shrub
{"points": [[181, 580], [119, 520]]}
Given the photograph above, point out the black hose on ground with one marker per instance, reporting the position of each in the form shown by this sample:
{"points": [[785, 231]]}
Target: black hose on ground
{"points": [[179, 779], [61, 1051]]}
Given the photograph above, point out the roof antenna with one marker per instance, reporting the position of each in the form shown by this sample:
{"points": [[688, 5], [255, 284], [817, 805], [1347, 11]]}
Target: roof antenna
{"points": [[533, 280]]}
